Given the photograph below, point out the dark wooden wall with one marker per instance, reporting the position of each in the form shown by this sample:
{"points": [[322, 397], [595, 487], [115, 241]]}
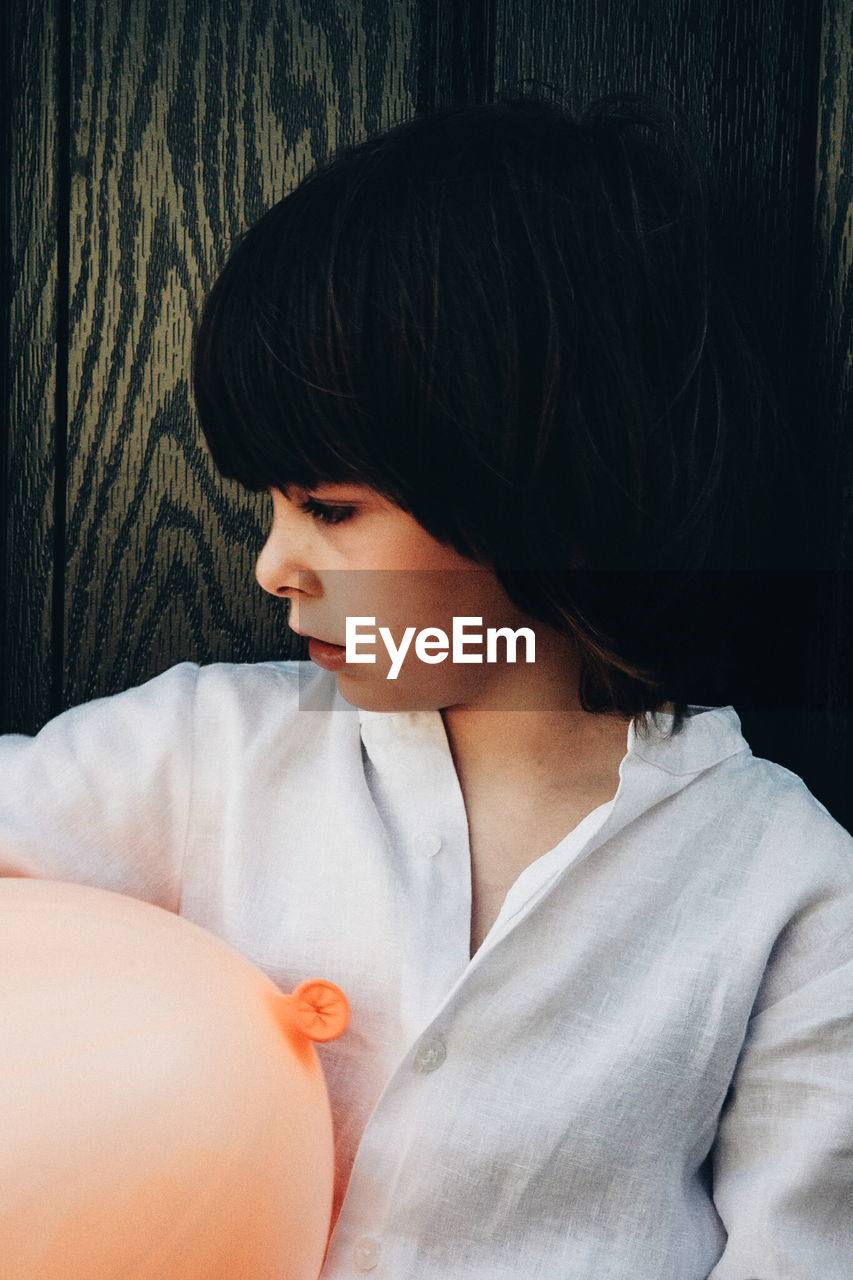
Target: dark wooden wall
{"points": [[144, 135]]}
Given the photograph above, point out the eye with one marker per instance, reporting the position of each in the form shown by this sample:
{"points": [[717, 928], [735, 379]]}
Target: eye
{"points": [[324, 513]]}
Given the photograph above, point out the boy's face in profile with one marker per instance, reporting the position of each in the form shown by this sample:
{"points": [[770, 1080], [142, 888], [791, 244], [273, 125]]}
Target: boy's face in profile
{"points": [[353, 553]]}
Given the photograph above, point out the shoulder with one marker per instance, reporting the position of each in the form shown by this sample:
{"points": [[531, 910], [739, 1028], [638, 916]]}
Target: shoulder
{"points": [[277, 715], [172, 704], [791, 878], [805, 862], [158, 707], [770, 809], [772, 866], [762, 811], [259, 691], [759, 838], [233, 687], [799, 831]]}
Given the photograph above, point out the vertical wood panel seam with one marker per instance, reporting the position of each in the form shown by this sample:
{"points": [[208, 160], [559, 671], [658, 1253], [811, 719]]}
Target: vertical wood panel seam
{"points": [[821, 669], [803, 219], [481, 49], [63, 269], [427, 56], [457, 53], [6, 71], [835, 602]]}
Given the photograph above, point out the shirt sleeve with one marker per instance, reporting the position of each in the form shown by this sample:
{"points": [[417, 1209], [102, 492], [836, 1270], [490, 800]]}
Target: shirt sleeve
{"points": [[101, 795], [783, 1158]]}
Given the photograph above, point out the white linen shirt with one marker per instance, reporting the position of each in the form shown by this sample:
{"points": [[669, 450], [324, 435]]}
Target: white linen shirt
{"points": [[646, 1070]]}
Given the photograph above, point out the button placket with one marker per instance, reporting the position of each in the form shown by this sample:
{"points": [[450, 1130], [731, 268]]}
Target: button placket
{"points": [[365, 1253], [431, 1055], [427, 843]]}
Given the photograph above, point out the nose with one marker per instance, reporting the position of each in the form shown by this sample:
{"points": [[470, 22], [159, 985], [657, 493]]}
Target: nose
{"points": [[280, 568]]}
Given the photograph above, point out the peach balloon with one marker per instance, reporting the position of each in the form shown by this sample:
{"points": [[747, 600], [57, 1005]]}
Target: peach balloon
{"points": [[163, 1113]]}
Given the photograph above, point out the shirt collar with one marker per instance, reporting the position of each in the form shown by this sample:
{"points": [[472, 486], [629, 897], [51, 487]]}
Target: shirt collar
{"points": [[707, 736]]}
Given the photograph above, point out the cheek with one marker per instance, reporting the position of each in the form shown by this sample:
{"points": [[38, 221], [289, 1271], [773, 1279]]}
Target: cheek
{"points": [[412, 547], [435, 596]]}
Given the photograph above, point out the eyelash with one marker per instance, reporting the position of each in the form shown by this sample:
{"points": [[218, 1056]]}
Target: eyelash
{"points": [[324, 514]]}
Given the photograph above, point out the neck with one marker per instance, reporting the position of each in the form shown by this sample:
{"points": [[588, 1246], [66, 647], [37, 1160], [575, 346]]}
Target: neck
{"points": [[539, 743]]}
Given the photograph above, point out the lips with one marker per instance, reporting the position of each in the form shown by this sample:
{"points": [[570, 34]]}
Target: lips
{"points": [[308, 636], [331, 656]]}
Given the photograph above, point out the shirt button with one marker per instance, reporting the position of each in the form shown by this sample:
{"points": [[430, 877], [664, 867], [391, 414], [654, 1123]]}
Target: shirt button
{"points": [[427, 843], [430, 1055], [366, 1253]]}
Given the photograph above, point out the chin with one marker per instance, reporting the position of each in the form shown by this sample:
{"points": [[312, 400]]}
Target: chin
{"points": [[387, 695]]}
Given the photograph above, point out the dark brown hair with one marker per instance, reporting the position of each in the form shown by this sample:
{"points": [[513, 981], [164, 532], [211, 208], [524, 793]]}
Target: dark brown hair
{"points": [[511, 322]]}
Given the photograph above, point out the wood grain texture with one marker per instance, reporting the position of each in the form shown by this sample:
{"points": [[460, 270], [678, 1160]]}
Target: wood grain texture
{"points": [[190, 119], [26, 668], [833, 219]]}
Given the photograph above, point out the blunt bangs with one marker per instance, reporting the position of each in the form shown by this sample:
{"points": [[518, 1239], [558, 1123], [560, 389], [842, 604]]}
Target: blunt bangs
{"points": [[267, 364]]}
